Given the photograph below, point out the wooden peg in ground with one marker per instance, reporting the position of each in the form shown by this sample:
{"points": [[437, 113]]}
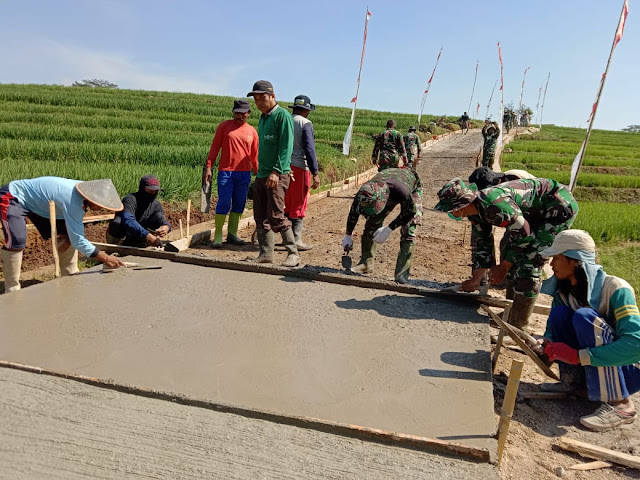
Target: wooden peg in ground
{"points": [[54, 237], [188, 215]]}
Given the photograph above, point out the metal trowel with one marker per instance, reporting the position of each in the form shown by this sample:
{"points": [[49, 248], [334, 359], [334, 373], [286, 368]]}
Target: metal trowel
{"points": [[131, 266], [346, 259]]}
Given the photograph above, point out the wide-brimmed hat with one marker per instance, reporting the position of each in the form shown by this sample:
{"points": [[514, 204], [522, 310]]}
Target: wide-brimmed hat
{"points": [[150, 182], [456, 195], [302, 101], [372, 198], [101, 192], [570, 240], [241, 106], [261, 86]]}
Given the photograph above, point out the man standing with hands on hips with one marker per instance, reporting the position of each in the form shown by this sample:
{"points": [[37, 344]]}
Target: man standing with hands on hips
{"points": [[275, 133]]}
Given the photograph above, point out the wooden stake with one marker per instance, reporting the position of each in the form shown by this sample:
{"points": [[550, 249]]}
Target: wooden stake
{"points": [[464, 233], [599, 453], [181, 230], [507, 404], [188, 215], [591, 466], [54, 237], [496, 352]]}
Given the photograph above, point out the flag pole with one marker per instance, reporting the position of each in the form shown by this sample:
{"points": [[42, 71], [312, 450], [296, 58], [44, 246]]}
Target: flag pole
{"points": [[577, 163], [426, 92], [544, 96], [500, 120], [474, 85], [538, 102], [490, 98], [346, 143], [521, 95]]}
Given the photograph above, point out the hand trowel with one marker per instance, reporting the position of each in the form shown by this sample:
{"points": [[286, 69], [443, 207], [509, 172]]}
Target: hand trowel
{"points": [[346, 259]]}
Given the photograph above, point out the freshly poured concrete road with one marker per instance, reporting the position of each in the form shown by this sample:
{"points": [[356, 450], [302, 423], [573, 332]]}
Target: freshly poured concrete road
{"points": [[345, 354]]}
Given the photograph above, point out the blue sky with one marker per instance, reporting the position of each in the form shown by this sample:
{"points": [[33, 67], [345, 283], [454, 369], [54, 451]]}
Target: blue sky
{"points": [[314, 48]]}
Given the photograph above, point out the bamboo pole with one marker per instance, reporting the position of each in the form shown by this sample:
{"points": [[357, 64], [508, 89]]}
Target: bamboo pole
{"points": [[181, 230], [188, 215], [54, 237], [496, 353], [507, 405]]}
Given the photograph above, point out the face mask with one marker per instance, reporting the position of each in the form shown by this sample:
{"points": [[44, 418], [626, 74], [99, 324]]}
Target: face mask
{"points": [[457, 219]]}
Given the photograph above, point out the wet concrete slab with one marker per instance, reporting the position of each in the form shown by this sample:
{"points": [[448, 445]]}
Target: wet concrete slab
{"points": [[345, 354]]}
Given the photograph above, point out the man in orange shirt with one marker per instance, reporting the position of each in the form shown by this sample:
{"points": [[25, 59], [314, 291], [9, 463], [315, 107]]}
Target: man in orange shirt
{"points": [[239, 143]]}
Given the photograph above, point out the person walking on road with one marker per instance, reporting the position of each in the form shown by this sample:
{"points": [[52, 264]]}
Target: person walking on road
{"points": [[413, 145], [238, 142], [142, 221], [389, 150], [375, 200], [304, 166], [275, 133], [490, 133], [463, 121], [533, 211], [593, 331], [21, 199]]}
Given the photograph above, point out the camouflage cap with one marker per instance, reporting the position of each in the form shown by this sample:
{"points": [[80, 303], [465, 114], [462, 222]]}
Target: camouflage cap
{"points": [[455, 195], [372, 198]]}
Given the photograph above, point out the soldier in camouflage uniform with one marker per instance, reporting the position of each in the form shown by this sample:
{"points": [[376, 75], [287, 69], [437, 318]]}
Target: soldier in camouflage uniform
{"points": [[414, 146], [490, 132], [375, 200], [389, 149], [533, 211]]}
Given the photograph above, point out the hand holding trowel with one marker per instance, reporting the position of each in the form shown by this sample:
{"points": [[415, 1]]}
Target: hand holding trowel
{"points": [[347, 243], [205, 192], [471, 285]]}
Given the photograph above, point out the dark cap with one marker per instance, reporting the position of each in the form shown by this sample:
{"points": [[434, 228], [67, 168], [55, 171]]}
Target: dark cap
{"points": [[261, 86], [241, 106], [302, 101], [412, 128], [150, 182]]}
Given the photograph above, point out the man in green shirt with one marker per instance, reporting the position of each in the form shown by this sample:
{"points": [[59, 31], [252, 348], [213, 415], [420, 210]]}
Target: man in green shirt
{"points": [[275, 135]]}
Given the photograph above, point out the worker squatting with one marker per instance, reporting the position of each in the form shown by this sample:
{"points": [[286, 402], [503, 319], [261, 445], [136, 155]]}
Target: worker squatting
{"points": [[593, 330]]}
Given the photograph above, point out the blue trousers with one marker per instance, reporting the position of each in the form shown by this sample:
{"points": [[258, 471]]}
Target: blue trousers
{"points": [[584, 328], [232, 191]]}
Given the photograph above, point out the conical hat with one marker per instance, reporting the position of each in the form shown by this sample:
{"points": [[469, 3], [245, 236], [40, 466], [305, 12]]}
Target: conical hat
{"points": [[101, 192]]}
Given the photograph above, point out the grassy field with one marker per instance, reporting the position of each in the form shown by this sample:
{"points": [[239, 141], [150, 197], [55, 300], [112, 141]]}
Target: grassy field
{"points": [[88, 133], [608, 187]]}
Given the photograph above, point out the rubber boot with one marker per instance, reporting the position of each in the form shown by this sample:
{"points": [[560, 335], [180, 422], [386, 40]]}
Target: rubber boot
{"points": [[368, 255], [266, 243], [68, 260], [521, 310], [296, 226], [403, 264], [289, 242], [509, 292], [232, 233], [11, 265], [217, 239]]}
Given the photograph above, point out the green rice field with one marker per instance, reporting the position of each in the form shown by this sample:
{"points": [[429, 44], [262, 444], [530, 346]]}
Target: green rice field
{"points": [[88, 133]]}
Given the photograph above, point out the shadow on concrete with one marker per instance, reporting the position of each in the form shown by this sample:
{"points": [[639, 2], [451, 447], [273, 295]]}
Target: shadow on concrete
{"points": [[479, 362], [416, 308]]}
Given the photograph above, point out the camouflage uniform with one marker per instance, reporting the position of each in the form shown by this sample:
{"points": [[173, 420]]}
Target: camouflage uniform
{"points": [[375, 200], [388, 149], [489, 146], [533, 211], [413, 146]]}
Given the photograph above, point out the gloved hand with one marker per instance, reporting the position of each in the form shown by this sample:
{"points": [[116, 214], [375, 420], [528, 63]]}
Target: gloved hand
{"points": [[347, 242], [562, 352], [381, 234]]}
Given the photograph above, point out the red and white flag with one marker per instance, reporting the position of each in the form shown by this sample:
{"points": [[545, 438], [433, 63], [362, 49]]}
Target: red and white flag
{"points": [[346, 143], [577, 162], [426, 92]]}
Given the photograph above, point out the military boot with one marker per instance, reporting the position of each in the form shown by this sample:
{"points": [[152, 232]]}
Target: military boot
{"points": [[521, 310], [403, 264], [266, 243], [368, 255], [289, 242], [509, 291], [296, 226], [11, 265]]}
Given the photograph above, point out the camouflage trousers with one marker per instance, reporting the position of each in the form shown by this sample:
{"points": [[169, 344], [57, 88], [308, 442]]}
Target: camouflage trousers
{"points": [[488, 153], [407, 231]]}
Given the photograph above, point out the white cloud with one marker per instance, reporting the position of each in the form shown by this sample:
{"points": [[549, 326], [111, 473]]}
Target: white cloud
{"points": [[37, 60]]}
